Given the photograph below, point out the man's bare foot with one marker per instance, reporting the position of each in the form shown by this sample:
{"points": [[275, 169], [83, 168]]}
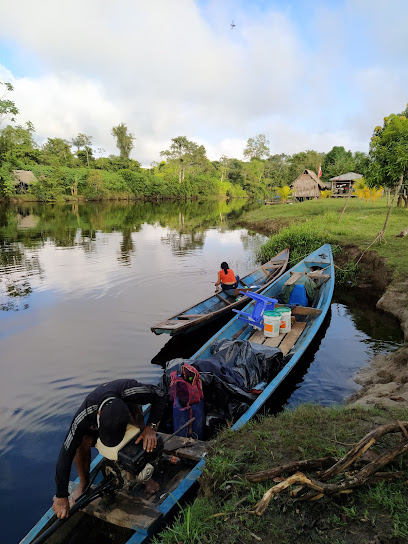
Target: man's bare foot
{"points": [[151, 486]]}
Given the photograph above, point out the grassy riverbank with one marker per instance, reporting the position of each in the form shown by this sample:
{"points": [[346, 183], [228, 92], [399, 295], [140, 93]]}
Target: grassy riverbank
{"points": [[303, 224], [373, 513]]}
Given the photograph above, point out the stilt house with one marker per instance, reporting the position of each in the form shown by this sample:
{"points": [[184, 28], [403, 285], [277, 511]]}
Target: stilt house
{"points": [[307, 186], [343, 185]]}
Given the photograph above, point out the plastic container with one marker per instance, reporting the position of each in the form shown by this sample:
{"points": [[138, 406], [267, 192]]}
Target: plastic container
{"points": [[272, 322], [285, 319], [182, 415]]}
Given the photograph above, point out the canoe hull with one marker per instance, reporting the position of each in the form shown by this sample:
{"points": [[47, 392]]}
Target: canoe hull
{"points": [[220, 304]]}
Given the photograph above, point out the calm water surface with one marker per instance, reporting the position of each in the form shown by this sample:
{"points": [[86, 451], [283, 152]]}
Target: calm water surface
{"points": [[80, 286]]}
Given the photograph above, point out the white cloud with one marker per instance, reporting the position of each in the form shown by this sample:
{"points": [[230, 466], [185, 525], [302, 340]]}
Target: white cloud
{"points": [[168, 69]]}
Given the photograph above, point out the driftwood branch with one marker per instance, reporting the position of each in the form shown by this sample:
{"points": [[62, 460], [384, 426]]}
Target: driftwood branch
{"points": [[360, 448], [311, 464], [319, 488]]}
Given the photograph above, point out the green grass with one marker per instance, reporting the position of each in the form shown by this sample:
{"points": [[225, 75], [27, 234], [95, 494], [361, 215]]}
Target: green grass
{"points": [[316, 222], [221, 513]]}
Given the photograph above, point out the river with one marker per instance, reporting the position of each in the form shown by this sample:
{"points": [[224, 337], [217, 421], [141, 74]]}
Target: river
{"points": [[80, 286]]}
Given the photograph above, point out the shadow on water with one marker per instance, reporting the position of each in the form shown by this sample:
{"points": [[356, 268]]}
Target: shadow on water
{"points": [[185, 345]]}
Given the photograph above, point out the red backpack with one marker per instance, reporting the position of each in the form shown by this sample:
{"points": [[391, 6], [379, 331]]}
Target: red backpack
{"points": [[187, 386]]}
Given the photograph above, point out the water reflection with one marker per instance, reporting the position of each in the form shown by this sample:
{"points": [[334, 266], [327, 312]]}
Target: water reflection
{"points": [[24, 229]]}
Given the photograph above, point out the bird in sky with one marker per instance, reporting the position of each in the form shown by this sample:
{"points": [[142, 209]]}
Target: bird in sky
{"points": [[232, 25]]}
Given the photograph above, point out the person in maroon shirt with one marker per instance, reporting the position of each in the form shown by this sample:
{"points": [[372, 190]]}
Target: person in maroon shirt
{"points": [[105, 413]]}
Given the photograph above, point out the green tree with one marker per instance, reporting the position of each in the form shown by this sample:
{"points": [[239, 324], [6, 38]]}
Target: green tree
{"points": [[50, 186], [257, 147], [255, 170], [388, 157], [236, 172], [17, 145], [338, 161], [57, 152], [283, 192], [360, 162], [305, 160], [277, 170], [8, 109], [6, 180], [185, 155], [83, 141], [95, 188], [114, 163], [224, 167], [85, 155], [124, 140]]}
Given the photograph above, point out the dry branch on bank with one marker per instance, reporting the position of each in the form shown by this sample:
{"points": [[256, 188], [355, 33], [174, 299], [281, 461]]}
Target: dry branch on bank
{"points": [[313, 489]]}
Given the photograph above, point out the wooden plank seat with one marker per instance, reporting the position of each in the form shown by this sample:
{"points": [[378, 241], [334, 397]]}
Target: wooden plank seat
{"points": [[223, 299], [186, 448], [284, 342], [290, 338], [272, 266], [294, 277], [302, 310], [317, 276], [237, 292], [173, 323]]}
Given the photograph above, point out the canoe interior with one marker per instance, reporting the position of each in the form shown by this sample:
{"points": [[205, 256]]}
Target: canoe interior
{"points": [[125, 516], [220, 303]]}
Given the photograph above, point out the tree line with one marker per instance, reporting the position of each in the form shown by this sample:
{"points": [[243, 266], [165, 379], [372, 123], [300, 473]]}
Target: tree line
{"points": [[69, 167]]}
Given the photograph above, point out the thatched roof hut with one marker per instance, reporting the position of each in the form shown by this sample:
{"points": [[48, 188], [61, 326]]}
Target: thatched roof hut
{"points": [[307, 185], [22, 179]]}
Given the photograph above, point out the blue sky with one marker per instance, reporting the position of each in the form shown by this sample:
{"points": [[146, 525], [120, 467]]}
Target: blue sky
{"points": [[307, 74]]}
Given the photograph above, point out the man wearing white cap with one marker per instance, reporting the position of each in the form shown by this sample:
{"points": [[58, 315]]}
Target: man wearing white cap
{"points": [[105, 413]]}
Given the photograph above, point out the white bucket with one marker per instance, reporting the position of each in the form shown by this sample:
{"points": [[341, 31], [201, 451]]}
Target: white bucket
{"points": [[271, 324], [285, 322]]}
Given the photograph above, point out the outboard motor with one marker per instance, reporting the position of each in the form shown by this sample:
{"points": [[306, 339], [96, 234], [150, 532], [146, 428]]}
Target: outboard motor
{"points": [[139, 463], [129, 461]]}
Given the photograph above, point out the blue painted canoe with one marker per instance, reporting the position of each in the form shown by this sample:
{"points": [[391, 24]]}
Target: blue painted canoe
{"points": [[307, 320], [295, 342], [220, 304]]}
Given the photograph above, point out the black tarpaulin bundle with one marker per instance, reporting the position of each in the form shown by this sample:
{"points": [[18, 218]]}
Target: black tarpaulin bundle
{"points": [[229, 375]]}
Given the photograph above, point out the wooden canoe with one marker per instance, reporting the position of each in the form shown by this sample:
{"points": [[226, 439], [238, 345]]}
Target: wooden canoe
{"points": [[306, 324], [137, 517], [220, 304]]}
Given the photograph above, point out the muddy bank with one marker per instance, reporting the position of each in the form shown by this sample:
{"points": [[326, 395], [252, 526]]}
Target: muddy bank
{"points": [[373, 274], [385, 380]]}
